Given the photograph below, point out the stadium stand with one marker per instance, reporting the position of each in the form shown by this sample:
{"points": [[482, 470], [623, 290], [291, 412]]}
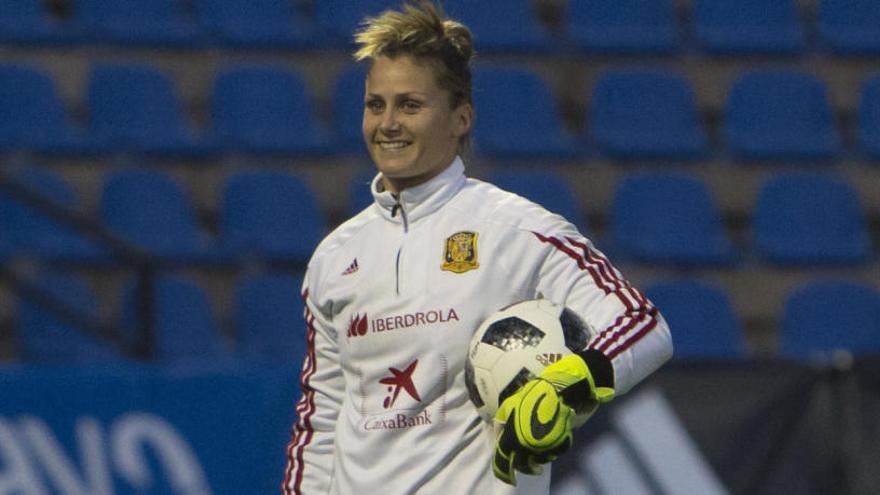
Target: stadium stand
{"points": [[748, 27], [135, 108], [268, 214], [30, 232], [348, 110], [359, 195], [810, 219], [149, 209], [780, 115], [531, 128], [644, 114], [27, 22], [850, 27], [32, 115], [821, 317], [869, 117], [158, 23], [705, 321], [491, 22], [186, 328], [546, 188], [84, 96], [621, 27], [43, 337], [338, 19], [256, 24], [264, 109], [269, 318], [667, 218]]}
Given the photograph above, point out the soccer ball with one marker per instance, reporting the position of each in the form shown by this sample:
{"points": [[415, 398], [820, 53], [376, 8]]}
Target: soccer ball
{"points": [[513, 346]]}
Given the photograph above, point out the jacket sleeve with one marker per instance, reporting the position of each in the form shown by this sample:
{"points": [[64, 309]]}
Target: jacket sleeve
{"points": [[310, 452], [627, 328]]}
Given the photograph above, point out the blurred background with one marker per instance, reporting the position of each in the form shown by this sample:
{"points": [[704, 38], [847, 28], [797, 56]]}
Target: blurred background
{"points": [[168, 166]]}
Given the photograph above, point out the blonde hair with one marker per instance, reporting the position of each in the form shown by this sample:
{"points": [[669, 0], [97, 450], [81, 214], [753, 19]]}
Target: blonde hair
{"points": [[421, 30]]}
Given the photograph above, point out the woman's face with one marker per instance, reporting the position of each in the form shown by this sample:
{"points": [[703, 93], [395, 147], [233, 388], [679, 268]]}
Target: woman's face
{"points": [[410, 130]]}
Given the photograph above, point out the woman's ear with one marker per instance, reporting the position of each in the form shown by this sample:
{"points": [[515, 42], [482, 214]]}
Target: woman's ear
{"points": [[464, 119]]}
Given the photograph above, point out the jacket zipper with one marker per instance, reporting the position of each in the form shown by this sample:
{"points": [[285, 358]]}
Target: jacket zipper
{"points": [[394, 210]]}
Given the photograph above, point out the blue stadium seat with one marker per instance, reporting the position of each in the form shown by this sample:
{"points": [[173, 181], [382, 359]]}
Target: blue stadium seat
{"points": [[29, 232], [667, 218], [825, 316], [269, 319], [780, 115], [348, 110], [28, 22], [546, 188], [869, 117], [32, 116], [339, 19], [186, 328], [265, 109], [136, 22], [44, 337], [150, 210], [492, 24], [530, 127], [850, 27], [638, 114], [810, 219], [272, 24], [623, 26], [748, 26], [360, 196], [135, 108], [271, 215], [703, 321]]}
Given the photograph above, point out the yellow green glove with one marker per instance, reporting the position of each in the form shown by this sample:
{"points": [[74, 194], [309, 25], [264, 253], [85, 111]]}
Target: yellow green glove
{"points": [[536, 422]]}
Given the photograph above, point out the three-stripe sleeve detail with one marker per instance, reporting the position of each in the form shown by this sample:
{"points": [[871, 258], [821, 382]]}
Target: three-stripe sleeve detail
{"points": [[639, 316], [305, 408]]}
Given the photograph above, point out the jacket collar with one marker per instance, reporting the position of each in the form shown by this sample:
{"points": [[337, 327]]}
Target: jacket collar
{"points": [[421, 200]]}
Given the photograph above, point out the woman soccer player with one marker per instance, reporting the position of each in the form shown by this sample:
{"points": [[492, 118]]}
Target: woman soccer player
{"points": [[394, 295]]}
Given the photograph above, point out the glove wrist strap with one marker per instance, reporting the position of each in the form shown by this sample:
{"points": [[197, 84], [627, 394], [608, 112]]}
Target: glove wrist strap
{"points": [[600, 367]]}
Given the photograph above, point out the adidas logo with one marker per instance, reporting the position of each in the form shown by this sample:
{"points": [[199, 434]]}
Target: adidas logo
{"points": [[548, 358], [353, 267]]}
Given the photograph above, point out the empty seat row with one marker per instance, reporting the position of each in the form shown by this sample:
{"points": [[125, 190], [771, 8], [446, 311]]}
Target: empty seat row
{"points": [[267, 322], [633, 114], [266, 214], [136, 108], [650, 114], [818, 318], [657, 218], [602, 26]]}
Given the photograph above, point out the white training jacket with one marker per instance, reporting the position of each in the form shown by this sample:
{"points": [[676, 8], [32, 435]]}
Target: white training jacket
{"points": [[393, 297]]}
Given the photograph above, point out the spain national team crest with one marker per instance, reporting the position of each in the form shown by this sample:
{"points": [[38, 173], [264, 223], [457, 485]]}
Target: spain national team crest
{"points": [[460, 254]]}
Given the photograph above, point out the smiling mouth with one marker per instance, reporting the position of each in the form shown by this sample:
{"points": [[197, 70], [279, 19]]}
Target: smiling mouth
{"points": [[393, 145]]}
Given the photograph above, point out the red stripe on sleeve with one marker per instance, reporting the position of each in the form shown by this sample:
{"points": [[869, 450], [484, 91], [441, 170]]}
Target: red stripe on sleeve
{"points": [[640, 315], [305, 408]]}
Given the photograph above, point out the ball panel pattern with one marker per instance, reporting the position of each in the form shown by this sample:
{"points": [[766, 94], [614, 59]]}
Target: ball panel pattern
{"points": [[512, 333]]}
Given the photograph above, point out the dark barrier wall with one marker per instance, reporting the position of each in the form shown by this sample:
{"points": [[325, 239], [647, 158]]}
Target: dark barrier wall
{"points": [[757, 428]]}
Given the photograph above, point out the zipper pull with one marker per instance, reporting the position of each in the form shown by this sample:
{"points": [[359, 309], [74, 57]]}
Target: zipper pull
{"points": [[394, 209]]}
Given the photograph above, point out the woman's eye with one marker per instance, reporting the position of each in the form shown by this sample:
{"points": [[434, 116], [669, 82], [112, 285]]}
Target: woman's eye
{"points": [[411, 106], [374, 105]]}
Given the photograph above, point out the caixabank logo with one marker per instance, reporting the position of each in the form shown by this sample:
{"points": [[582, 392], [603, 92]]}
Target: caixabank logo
{"points": [[400, 379]]}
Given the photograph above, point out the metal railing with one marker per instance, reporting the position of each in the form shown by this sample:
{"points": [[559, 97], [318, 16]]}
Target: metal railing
{"points": [[139, 346]]}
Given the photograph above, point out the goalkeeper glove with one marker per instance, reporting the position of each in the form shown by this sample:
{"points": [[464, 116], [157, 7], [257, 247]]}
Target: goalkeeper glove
{"points": [[537, 421]]}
